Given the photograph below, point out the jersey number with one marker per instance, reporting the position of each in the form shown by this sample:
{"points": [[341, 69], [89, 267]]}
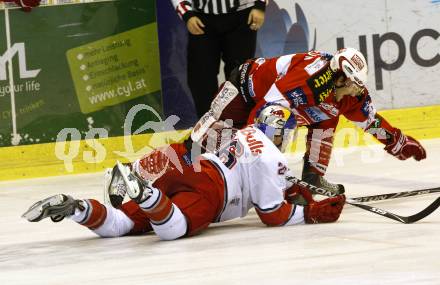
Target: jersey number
{"points": [[281, 168], [228, 155]]}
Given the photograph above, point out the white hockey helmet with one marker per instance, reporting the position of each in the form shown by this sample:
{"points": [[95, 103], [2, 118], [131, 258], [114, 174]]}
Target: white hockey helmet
{"points": [[352, 63], [276, 122]]}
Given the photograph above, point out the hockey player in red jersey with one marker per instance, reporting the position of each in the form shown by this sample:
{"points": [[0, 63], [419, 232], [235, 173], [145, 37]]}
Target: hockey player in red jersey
{"points": [[247, 172], [318, 88]]}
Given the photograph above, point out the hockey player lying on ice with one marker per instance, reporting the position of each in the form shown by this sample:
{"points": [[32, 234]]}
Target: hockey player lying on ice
{"points": [[247, 172], [314, 86]]}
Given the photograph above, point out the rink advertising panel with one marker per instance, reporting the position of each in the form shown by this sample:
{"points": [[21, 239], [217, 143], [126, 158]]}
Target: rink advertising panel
{"points": [[80, 66], [400, 39]]}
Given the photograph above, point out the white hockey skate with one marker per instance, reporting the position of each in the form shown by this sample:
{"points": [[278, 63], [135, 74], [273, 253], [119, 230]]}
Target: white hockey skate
{"points": [[114, 187], [56, 207], [137, 188]]}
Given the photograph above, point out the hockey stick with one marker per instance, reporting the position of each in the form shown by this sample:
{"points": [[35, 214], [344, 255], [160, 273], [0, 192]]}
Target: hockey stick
{"points": [[403, 219], [381, 197]]}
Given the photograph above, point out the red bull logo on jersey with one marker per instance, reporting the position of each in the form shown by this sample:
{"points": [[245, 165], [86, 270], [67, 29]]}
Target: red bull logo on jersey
{"points": [[281, 113], [254, 145]]}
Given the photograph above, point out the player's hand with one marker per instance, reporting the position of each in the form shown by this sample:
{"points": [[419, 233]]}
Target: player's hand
{"points": [[195, 26], [255, 19], [297, 194], [325, 211], [404, 147]]}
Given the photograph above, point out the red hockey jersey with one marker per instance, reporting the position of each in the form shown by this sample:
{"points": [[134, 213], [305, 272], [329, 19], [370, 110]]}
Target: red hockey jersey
{"points": [[305, 83]]}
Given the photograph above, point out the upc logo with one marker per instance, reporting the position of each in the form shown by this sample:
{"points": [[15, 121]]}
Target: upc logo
{"points": [[19, 49]]}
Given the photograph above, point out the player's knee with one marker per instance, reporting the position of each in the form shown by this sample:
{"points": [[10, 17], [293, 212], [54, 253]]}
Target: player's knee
{"points": [[200, 211], [173, 228]]}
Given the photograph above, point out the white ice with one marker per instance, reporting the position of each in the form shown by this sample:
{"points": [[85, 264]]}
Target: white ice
{"points": [[361, 248]]}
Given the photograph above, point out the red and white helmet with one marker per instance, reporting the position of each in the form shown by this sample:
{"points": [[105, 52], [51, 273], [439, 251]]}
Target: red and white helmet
{"points": [[352, 62]]}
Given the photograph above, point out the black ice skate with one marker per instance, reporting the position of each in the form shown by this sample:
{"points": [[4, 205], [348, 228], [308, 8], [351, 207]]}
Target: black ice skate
{"points": [[56, 207], [137, 188], [311, 177], [321, 182]]}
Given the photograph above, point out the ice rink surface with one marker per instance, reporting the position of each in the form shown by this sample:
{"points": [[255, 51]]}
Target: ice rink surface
{"points": [[361, 248]]}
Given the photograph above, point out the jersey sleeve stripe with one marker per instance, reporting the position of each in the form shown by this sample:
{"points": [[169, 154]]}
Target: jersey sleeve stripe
{"points": [[283, 63], [274, 94], [268, 210], [292, 213], [165, 219], [297, 216]]}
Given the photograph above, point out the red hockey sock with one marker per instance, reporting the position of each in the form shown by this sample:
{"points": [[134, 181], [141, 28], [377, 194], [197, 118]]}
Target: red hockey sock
{"points": [[158, 207], [95, 216]]}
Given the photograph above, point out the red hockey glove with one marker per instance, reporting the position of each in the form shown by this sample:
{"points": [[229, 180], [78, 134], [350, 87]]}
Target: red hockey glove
{"points": [[325, 211], [298, 195], [26, 5], [153, 164], [404, 147]]}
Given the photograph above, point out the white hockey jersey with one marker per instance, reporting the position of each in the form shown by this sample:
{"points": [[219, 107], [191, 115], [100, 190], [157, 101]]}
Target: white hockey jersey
{"points": [[254, 171]]}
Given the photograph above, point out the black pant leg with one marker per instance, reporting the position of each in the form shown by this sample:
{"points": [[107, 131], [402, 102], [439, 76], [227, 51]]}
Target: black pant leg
{"points": [[203, 67], [239, 43]]}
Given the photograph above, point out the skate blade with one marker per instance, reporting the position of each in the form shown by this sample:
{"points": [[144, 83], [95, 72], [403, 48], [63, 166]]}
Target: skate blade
{"points": [[37, 211], [107, 182]]}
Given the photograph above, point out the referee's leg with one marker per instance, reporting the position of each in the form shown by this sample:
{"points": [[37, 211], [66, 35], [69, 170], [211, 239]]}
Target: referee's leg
{"points": [[239, 44], [203, 66]]}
